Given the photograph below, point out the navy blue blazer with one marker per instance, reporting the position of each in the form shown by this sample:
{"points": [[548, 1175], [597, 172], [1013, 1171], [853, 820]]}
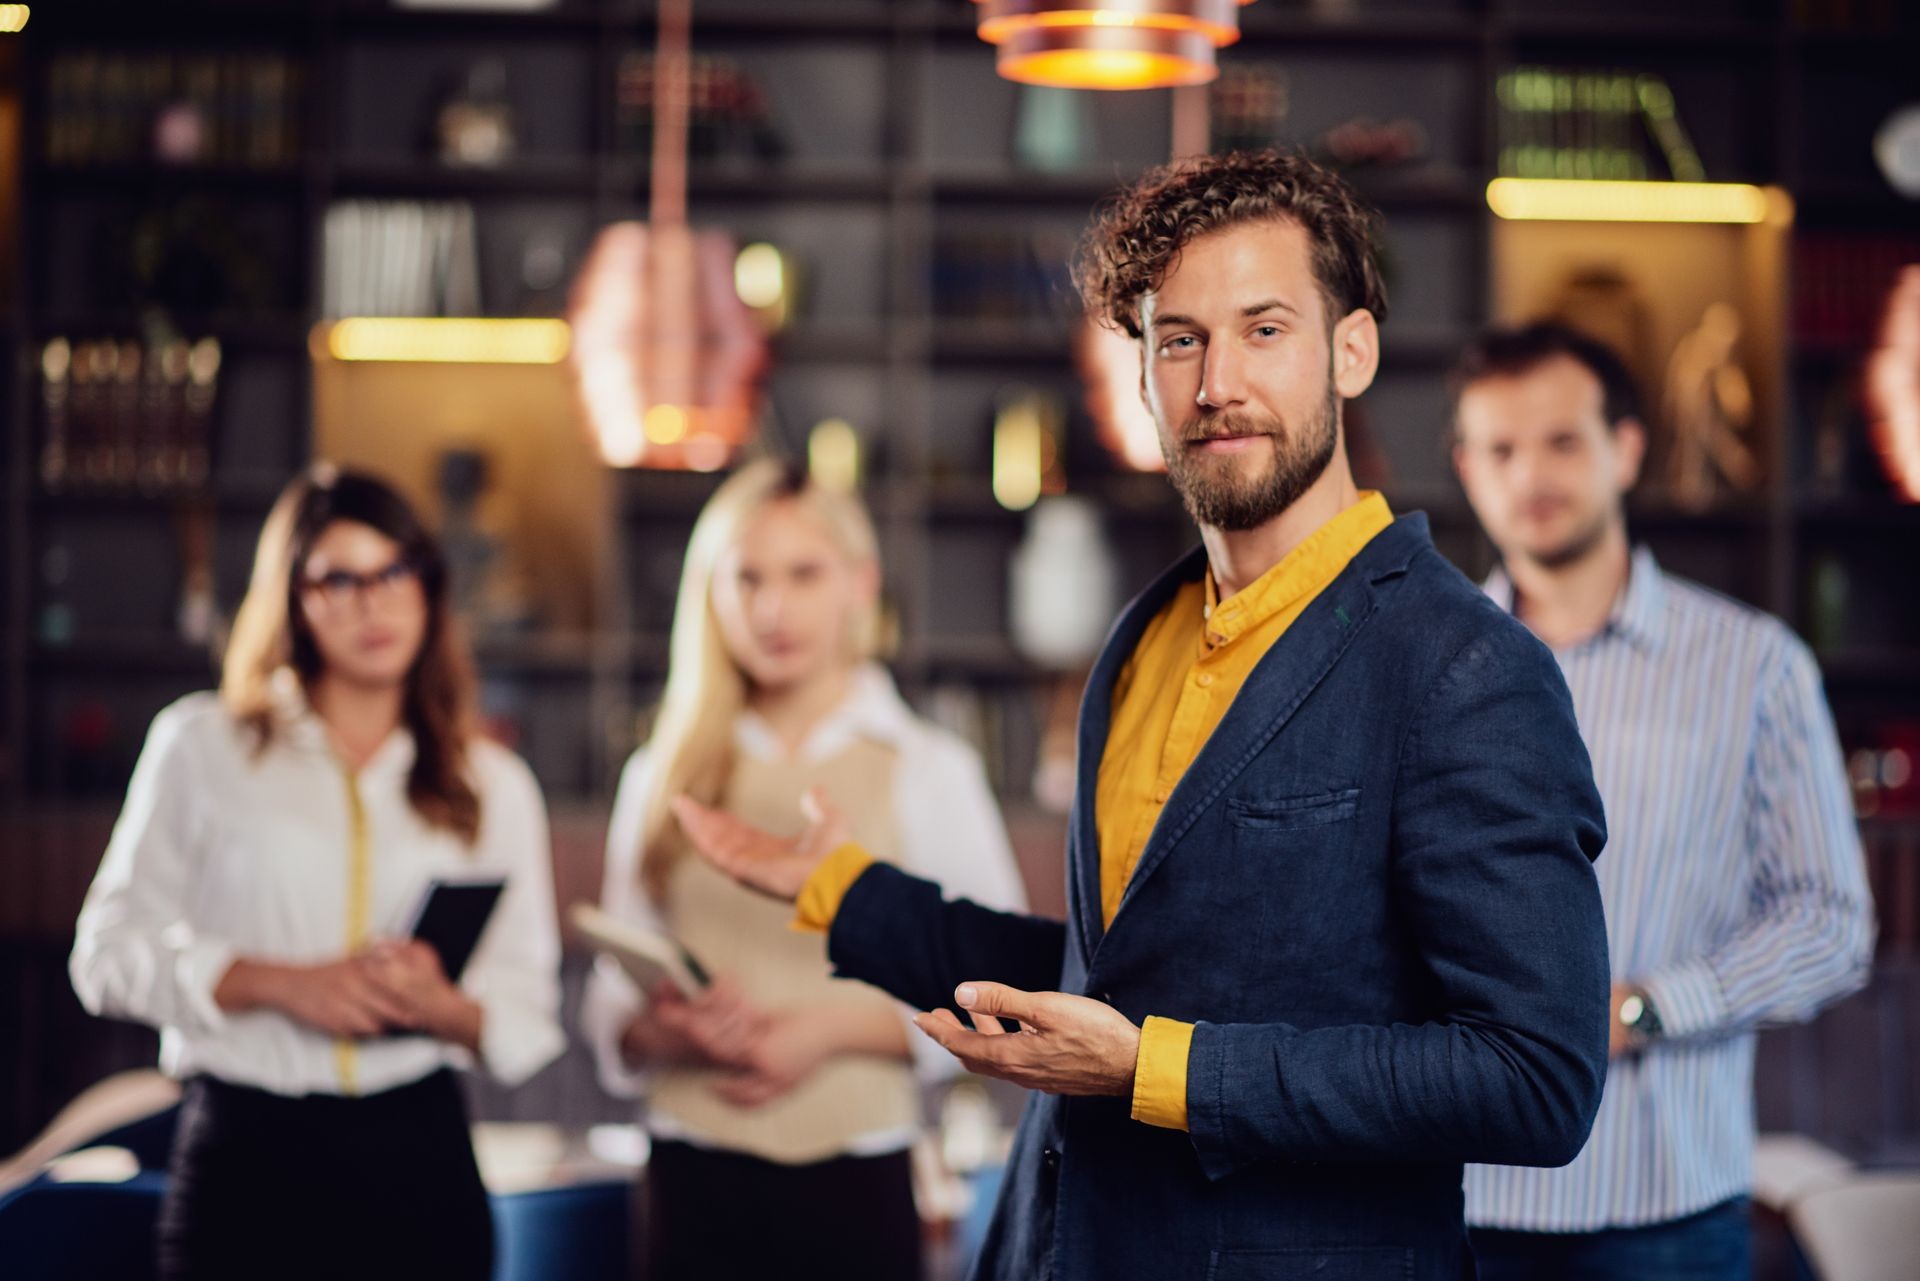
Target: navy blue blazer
{"points": [[1373, 893]]}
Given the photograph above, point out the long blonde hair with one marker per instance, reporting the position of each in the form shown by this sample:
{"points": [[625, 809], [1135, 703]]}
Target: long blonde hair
{"points": [[691, 749]]}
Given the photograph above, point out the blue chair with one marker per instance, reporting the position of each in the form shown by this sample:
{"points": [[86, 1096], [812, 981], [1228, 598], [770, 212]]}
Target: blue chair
{"points": [[576, 1233], [81, 1231]]}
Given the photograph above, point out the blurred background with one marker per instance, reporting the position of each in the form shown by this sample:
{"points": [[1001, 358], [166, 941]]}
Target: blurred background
{"points": [[224, 220]]}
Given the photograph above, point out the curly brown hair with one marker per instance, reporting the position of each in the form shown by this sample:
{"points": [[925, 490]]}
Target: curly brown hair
{"points": [[1134, 242]]}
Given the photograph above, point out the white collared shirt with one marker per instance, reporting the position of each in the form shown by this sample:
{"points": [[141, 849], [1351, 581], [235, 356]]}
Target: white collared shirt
{"points": [[950, 832], [223, 853]]}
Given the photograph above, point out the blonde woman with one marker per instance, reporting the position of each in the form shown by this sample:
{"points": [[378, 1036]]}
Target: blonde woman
{"points": [[782, 1102], [274, 838]]}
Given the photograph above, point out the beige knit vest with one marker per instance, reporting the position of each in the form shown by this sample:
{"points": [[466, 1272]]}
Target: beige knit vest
{"points": [[737, 932]]}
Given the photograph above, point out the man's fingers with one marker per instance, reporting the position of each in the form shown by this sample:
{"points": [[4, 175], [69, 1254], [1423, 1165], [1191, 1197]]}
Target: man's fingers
{"points": [[998, 998], [979, 1053], [985, 1024]]}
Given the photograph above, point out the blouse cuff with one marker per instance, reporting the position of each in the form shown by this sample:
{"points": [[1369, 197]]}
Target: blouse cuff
{"points": [[820, 898]]}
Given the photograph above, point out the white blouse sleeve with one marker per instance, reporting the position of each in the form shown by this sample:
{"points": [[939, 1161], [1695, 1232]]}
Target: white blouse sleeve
{"points": [[611, 1000], [515, 975], [136, 953], [952, 833]]}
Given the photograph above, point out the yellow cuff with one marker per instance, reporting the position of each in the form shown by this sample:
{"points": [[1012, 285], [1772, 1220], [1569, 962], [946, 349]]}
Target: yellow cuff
{"points": [[1160, 1073], [819, 900]]}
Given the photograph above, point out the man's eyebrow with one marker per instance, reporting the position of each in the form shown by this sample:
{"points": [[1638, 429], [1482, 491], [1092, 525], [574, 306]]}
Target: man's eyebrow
{"points": [[1168, 319], [1271, 304]]}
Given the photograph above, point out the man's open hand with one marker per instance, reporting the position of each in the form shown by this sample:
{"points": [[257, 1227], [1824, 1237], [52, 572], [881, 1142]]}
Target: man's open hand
{"points": [[1065, 1045], [759, 861]]}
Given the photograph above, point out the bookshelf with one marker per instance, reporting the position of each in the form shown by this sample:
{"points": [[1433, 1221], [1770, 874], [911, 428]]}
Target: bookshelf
{"points": [[899, 144]]}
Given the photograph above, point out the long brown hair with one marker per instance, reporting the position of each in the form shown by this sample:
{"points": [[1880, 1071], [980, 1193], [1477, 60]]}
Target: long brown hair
{"points": [[270, 634], [691, 749]]}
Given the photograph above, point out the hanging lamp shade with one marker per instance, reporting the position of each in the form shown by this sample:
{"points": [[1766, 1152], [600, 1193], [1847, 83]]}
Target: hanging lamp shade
{"points": [[1109, 44], [669, 360]]}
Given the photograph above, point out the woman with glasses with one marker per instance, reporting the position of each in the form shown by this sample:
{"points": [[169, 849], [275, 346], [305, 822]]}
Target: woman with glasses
{"points": [[275, 838]]}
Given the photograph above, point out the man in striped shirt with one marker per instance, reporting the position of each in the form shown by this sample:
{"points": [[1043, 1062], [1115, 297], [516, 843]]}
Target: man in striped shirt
{"points": [[1733, 881]]}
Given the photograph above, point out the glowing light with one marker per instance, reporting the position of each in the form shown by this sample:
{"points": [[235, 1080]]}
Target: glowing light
{"points": [[665, 424], [833, 455], [13, 18], [1576, 200], [1109, 44], [438, 340]]}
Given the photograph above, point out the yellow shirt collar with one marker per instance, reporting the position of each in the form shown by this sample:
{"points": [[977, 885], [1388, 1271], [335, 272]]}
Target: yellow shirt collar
{"points": [[1304, 571]]}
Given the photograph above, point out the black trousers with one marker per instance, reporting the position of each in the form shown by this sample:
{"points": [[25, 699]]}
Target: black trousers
{"points": [[724, 1216], [322, 1187]]}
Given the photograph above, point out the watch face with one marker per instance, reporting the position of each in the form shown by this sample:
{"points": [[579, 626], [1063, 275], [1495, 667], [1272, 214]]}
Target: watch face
{"points": [[1631, 1009]]}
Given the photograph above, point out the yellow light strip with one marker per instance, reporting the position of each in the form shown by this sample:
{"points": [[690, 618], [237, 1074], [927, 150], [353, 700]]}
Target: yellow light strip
{"points": [[1577, 200], [13, 18], [436, 340]]}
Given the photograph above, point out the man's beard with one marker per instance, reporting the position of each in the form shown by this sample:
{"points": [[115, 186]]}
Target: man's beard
{"points": [[1216, 496], [1575, 548]]}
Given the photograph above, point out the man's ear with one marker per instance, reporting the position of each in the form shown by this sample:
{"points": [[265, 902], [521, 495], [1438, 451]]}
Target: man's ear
{"points": [[1356, 353], [1629, 452]]}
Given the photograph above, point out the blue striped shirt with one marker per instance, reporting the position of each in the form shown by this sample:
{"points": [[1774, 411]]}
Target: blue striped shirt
{"points": [[1734, 886]]}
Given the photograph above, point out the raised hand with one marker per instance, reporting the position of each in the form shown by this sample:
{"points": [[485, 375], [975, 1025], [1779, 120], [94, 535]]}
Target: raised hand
{"points": [[769, 864], [1065, 1045]]}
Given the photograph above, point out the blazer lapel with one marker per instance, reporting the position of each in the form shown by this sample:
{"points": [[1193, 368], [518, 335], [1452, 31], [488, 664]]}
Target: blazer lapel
{"points": [[1096, 715], [1280, 682]]}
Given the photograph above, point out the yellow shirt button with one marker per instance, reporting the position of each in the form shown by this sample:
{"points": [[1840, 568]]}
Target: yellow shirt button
{"points": [[1160, 797], [1203, 680]]}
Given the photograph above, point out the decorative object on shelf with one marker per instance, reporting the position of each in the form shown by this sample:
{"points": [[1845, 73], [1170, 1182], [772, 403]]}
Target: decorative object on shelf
{"points": [[1886, 772], [1708, 407], [1601, 301], [668, 359], [1062, 584], [1052, 130], [1108, 44], [1366, 143], [1896, 149], [1109, 365], [474, 127], [400, 258], [479, 6], [1840, 281], [1001, 275], [1027, 428], [108, 107], [125, 415], [53, 619], [1247, 107], [729, 114], [1890, 385], [194, 256], [1556, 123], [833, 455], [196, 618], [767, 279], [485, 597]]}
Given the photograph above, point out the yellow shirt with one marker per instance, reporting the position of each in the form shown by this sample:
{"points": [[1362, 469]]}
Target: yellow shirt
{"points": [[1190, 663]]}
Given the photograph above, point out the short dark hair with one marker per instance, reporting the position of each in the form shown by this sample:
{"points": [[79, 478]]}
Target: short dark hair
{"points": [[1509, 353], [1135, 240]]}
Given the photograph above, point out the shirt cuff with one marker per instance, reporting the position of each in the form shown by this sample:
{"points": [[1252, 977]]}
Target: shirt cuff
{"points": [[1687, 998], [198, 969], [1160, 1073], [820, 897]]}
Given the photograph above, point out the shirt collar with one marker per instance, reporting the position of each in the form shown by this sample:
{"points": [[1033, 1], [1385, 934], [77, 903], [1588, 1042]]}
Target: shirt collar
{"points": [[1639, 612], [872, 709], [298, 726], [1301, 572]]}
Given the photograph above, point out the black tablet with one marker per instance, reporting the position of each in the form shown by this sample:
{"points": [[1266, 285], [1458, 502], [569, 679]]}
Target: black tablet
{"points": [[451, 917]]}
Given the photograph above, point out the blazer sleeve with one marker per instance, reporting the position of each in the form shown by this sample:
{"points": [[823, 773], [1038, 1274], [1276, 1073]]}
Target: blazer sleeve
{"points": [[1496, 822], [898, 933]]}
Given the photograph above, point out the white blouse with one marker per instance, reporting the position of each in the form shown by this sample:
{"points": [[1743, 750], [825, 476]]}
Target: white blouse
{"points": [[223, 853], [951, 832]]}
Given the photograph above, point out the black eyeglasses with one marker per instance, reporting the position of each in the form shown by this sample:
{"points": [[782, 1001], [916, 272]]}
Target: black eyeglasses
{"points": [[341, 587]]}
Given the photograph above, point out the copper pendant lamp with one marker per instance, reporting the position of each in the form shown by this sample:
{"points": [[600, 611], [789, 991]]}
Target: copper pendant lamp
{"points": [[669, 360], [1109, 44]]}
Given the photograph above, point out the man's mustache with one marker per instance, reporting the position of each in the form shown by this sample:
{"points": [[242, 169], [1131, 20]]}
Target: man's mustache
{"points": [[1224, 426]]}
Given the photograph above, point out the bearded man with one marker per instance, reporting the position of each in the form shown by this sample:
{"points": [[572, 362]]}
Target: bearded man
{"points": [[1333, 928]]}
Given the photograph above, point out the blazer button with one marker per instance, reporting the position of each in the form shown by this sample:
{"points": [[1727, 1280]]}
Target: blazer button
{"points": [[1107, 997], [1050, 1158]]}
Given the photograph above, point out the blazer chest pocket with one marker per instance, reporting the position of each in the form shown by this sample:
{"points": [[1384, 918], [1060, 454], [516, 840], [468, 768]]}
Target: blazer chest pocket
{"points": [[1281, 813]]}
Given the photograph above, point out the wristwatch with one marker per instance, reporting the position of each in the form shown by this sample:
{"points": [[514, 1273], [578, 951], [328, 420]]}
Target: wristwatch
{"points": [[1638, 1016]]}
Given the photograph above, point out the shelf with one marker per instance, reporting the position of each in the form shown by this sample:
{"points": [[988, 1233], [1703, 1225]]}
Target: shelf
{"points": [[1613, 31], [250, 496], [552, 177], [1871, 667], [131, 653], [281, 334], [1860, 514], [143, 176]]}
